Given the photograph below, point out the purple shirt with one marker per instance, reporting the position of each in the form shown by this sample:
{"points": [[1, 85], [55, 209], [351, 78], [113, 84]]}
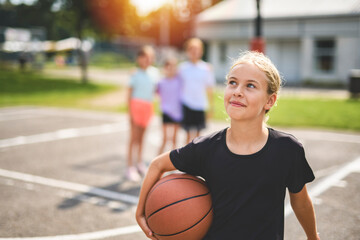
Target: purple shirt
{"points": [[170, 93]]}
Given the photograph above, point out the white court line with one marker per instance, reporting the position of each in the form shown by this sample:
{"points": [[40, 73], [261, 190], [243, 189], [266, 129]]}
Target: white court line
{"points": [[22, 117], [87, 236], [78, 188], [325, 184], [15, 114], [69, 186], [64, 134], [329, 181]]}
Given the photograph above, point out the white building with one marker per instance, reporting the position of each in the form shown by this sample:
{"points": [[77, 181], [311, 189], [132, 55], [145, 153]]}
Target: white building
{"points": [[308, 40]]}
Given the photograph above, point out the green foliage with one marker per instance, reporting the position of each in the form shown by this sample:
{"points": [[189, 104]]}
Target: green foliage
{"points": [[33, 89]]}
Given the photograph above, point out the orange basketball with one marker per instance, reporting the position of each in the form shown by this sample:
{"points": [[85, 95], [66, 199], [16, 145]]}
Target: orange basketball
{"points": [[179, 207]]}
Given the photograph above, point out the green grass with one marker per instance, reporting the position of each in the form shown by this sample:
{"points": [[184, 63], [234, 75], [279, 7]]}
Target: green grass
{"points": [[29, 88], [317, 112], [110, 60], [35, 89], [308, 112]]}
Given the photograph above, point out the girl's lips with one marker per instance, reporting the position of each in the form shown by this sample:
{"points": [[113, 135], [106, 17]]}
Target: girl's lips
{"points": [[237, 104]]}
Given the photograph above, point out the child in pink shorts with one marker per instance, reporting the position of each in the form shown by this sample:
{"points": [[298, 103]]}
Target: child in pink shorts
{"points": [[141, 93]]}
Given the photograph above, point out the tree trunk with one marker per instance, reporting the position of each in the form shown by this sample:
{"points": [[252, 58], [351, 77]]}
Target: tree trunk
{"points": [[82, 64], [82, 58]]}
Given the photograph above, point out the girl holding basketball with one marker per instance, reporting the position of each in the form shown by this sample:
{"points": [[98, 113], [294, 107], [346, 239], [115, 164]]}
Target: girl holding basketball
{"points": [[248, 165]]}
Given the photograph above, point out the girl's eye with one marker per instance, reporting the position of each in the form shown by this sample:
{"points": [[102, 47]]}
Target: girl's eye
{"points": [[232, 82], [250, 85]]}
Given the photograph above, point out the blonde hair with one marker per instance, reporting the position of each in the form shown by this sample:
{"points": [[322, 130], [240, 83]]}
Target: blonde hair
{"points": [[150, 51], [194, 42], [264, 64]]}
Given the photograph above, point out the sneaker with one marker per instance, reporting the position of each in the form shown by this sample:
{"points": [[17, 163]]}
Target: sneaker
{"points": [[132, 174], [142, 169]]}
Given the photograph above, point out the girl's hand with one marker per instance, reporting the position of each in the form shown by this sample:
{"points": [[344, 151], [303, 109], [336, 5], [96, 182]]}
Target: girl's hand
{"points": [[157, 168], [143, 224]]}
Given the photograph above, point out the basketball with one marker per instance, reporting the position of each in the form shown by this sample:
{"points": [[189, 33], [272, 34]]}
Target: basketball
{"points": [[179, 207]]}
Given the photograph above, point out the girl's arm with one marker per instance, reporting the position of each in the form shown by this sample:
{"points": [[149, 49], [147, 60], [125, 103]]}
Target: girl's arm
{"points": [[158, 167], [130, 91], [304, 211]]}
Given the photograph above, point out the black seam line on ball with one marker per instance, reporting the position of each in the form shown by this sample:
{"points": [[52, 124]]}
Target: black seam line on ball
{"points": [[173, 234], [182, 200], [195, 180]]}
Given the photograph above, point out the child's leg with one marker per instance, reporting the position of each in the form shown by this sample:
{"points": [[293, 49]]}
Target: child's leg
{"points": [[131, 172], [162, 147], [131, 145], [190, 135], [174, 137], [139, 140], [197, 133], [140, 132]]}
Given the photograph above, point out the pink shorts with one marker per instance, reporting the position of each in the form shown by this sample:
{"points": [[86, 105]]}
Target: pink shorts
{"points": [[141, 112]]}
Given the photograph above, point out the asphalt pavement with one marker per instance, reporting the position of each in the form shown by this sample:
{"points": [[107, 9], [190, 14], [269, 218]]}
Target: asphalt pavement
{"points": [[62, 176]]}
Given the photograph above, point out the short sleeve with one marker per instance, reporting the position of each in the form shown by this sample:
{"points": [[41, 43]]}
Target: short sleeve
{"points": [[187, 159], [300, 172], [132, 81]]}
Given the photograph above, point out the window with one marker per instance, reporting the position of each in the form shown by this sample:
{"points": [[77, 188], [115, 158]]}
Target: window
{"points": [[325, 56], [223, 50]]}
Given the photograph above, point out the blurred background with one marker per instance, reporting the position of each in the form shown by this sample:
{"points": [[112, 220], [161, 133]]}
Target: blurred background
{"points": [[61, 57], [314, 44], [104, 33]]}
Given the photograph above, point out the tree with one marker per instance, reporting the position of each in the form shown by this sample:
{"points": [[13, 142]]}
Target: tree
{"points": [[81, 18], [181, 20], [115, 17]]}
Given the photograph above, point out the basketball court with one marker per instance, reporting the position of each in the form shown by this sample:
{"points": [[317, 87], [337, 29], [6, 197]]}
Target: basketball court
{"points": [[61, 176]]}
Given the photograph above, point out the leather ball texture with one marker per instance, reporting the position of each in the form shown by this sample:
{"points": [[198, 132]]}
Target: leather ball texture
{"points": [[178, 207]]}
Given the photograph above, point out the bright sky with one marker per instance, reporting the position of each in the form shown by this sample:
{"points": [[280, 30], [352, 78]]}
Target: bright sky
{"points": [[146, 6], [28, 2], [143, 6]]}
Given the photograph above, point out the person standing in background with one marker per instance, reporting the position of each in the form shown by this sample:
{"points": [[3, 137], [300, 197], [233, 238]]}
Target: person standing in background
{"points": [[198, 81], [169, 92], [140, 104]]}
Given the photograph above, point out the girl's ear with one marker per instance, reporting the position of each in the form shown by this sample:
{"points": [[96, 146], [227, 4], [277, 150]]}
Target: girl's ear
{"points": [[271, 101]]}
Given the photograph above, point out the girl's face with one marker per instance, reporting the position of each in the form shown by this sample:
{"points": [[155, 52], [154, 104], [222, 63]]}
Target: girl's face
{"points": [[170, 69], [143, 61], [194, 52], [246, 96]]}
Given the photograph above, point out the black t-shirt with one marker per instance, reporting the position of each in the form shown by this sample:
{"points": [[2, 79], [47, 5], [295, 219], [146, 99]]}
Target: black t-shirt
{"points": [[247, 191]]}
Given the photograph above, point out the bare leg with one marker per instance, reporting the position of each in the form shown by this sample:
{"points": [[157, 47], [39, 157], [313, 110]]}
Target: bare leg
{"points": [[197, 133], [141, 168], [174, 138], [162, 147], [188, 137], [131, 145], [140, 135], [131, 172]]}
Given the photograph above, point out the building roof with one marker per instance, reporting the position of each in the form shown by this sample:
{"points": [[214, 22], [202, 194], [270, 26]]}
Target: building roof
{"points": [[229, 10]]}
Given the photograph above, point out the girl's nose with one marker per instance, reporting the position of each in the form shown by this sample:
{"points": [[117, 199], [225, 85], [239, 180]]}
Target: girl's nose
{"points": [[238, 92]]}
